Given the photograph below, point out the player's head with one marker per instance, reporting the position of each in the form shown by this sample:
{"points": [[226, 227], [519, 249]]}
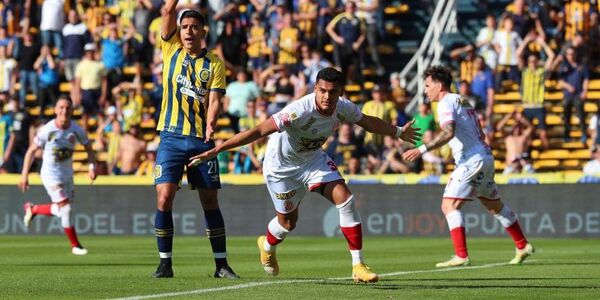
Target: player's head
{"points": [[328, 89], [437, 80], [63, 109], [191, 30]]}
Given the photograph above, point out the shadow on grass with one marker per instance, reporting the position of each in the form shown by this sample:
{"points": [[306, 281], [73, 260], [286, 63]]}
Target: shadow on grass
{"points": [[78, 264]]}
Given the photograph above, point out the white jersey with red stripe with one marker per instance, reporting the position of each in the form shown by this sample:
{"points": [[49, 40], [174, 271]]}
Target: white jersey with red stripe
{"points": [[469, 139], [58, 145], [302, 131]]}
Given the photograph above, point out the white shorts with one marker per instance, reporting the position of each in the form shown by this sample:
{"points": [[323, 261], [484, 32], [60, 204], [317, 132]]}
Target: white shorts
{"points": [[58, 189], [473, 179], [287, 191]]}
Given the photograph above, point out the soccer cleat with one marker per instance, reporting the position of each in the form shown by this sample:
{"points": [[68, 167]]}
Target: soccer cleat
{"points": [[79, 250], [28, 213], [226, 272], [267, 259], [455, 261], [522, 254], [163, 271], [362, 273]]}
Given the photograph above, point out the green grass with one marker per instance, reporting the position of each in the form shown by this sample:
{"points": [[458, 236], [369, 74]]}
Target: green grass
{"points": [[35, 267]]}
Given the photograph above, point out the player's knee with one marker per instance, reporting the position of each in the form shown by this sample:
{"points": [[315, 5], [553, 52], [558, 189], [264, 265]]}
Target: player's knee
{"points": [[65, 215]]}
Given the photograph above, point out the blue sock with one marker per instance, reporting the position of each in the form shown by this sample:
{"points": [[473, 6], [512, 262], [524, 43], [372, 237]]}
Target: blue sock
{"points": [[215, 230], [163, 229]]}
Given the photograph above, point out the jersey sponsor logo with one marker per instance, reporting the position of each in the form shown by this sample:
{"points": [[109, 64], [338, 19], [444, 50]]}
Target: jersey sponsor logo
{"points": [[308, 124], [189, 89], [286, 195], [285, 119], [61, 154], [311, 144], [157, 171]]}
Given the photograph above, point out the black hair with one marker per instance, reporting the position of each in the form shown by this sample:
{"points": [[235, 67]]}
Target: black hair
{"points": [[439, 74], [331, 75], [194, 14], [66, 98]]}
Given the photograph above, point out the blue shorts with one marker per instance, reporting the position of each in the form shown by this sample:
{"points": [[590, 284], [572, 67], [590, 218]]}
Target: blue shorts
{"points": [[538, 113], [173, 155]]}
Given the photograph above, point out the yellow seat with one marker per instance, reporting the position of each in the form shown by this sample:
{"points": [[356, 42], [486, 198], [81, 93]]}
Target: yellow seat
{"points": [[546, 163], [504, 108], [353, 88], [554, 154], [509, 96], [65, 87], [223, 122], [223, 135], [580, 154], [79, 156], [148, 124], [572, 163]]}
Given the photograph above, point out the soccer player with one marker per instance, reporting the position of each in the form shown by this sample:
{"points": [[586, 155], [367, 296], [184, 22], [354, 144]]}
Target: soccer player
{"points": [[295, 162], [193, 84], [58, 138], [474, 173]]}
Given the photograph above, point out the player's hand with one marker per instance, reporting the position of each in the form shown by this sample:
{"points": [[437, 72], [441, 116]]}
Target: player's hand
{"points": [[208, 132], [204, 156], [410, 134], [23, 184], [411, 155]]}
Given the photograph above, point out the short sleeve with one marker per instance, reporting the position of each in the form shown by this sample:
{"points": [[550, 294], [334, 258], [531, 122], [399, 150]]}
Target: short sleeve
{"points": [[445, 113], [218, 83], [349, 111], [288, 116], [41, 137], [169, 46]]}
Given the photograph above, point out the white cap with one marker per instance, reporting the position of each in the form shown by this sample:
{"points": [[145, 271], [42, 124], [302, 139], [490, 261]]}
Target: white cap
{"points": [[89, 47]]}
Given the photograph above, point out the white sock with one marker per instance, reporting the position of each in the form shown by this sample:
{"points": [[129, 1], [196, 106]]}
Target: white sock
{"points": [[356, 257], [506, 216]]}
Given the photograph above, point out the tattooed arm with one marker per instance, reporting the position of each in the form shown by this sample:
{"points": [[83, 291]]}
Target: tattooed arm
{"points": [[441, 139]]}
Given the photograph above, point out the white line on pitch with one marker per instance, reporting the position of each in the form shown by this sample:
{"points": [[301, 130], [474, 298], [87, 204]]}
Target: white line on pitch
{"points": [[275, 282]]}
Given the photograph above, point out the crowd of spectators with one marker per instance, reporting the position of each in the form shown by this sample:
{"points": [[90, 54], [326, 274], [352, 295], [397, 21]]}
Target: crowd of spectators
{"points": [[106, 55]]}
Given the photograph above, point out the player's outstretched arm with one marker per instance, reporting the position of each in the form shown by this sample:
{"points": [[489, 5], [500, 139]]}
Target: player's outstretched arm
{"points": [[376, 125], [439, 140], [169, 19], [24, 183], [243, 138]]}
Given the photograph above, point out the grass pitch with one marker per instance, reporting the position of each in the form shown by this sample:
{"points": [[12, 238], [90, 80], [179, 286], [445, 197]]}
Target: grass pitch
{"points": [[36, 267]]}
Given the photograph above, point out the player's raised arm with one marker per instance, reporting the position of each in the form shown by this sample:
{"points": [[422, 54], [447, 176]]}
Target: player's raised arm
{"points": [[243, 138], [169, 19], [378, 126]]}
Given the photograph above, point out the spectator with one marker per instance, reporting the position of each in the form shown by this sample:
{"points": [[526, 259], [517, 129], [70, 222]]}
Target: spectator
{"points": [[579, 46], [306, 18], [48, 78], [113, 56], [312, 63], [134, 50], [424, 119], [346, 151], [75, 35], [90, 86], [482, 87], [218, 12], [281, 86], [7, 139], [485, 40], [223, 158], [130, 102], [230, 46], [238, 94], [506, 42], [141, 16], [53, 20], [467, 67], [392, 161], [146, 168], [8, 75], [347, 31], [594, 129], [574, 80], [27, 51], [288, 43], [251, 119], [257, 47], [577, 16], [129, 155], [7, 41], [367, 11], [517, 141], [517, 11], [154, 30], [533, 81], [327, 11], [381, 108], [20, 128], [592, 167], [7, 17]]}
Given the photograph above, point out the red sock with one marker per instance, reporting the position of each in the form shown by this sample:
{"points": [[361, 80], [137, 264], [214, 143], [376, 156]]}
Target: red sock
{"points": [[42, 209], [460, 241], [353, 236], [517, 235], [271, 239], [72, 235]]}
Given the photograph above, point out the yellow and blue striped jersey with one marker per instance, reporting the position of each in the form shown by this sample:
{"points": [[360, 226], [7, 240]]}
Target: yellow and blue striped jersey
{"points": [[187, 82]]}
